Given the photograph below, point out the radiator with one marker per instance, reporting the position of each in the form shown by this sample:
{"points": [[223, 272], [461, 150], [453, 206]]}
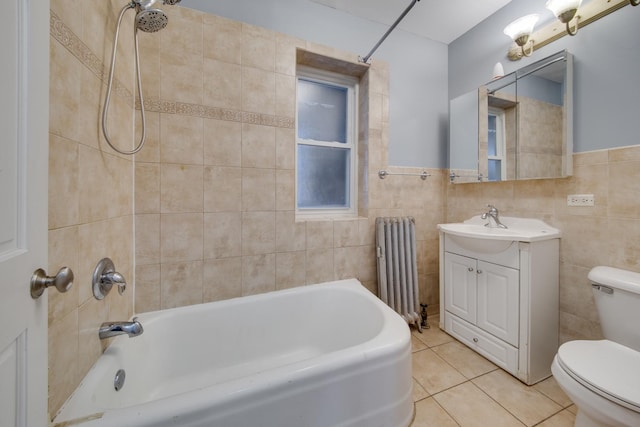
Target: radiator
{"points": [[397, 266]]}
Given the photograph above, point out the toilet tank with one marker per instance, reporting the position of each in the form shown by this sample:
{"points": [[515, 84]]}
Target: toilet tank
{"points": [[617, 297]]}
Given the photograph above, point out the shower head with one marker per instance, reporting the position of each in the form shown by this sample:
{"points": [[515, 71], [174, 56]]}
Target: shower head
{"points": [[150, 19]]}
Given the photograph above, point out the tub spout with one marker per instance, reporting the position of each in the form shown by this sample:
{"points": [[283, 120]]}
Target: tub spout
{"points": [[111, 329]]}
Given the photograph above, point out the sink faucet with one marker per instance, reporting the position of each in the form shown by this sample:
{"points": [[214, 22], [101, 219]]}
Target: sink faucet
{"points": [[493, 214], [111, 329]]}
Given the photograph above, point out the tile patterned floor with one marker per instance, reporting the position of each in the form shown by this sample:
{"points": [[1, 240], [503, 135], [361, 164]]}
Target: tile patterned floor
{"points": [[454, 386]]}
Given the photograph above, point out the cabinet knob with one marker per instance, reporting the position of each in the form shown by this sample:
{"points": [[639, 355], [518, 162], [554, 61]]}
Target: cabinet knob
{"points": [[479, 271], [470, 268], [475, 340]]}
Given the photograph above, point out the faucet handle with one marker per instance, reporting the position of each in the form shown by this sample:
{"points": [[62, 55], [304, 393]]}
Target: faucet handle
{"points": [[113, 277], [104, 277], [122, 287]]}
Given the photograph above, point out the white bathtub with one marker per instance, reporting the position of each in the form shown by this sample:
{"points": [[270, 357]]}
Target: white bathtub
{"points": [[324, 355]]}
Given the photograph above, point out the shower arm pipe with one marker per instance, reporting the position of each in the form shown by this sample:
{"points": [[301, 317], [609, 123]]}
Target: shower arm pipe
{"points": [[107, 98], [365, 59]]}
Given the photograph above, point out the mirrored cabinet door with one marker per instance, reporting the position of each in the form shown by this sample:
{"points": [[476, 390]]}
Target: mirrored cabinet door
{"points": [[520, 126]]}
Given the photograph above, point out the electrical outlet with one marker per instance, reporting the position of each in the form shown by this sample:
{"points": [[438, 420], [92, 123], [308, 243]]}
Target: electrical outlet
{"points": [[580, 200]]}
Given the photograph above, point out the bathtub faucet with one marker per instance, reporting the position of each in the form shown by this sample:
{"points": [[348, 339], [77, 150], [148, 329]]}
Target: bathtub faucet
{"points": [[111, 329], [493, 213]]}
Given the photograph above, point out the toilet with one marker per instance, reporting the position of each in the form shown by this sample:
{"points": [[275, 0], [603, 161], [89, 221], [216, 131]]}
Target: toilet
{"points": [[603, 377]]}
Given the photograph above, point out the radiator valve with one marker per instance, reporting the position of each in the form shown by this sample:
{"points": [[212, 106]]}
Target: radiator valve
{"points": [[423, 315]]}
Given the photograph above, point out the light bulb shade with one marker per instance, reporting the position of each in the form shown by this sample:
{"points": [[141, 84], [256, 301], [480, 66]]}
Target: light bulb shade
{"points": [[522, 27], [498, 71], [561, 7]]}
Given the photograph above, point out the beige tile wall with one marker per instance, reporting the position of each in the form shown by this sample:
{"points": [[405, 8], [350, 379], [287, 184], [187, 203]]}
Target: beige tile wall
{"points": [[90, 187], [215, 187], [605, 234]]}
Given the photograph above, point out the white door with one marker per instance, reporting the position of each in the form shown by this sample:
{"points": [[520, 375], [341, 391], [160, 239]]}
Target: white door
{"points": [[24, 121]]}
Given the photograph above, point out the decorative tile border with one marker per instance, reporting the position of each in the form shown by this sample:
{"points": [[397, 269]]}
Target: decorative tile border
{"points": [[63, 34], [207, 112]]}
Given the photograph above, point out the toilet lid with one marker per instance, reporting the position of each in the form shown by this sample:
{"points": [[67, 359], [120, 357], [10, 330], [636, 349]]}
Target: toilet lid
{"points": [[607, 368]]}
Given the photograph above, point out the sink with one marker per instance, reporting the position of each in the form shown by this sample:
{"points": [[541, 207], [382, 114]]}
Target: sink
{"points": [[519, 229]]}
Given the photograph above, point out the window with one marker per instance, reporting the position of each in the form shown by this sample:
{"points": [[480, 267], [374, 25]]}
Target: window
{"points": [[496, 146], [326, 171]]}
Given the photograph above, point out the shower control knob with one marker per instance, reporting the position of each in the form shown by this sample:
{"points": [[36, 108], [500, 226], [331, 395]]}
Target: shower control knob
{"points": [[62, 281], [104, 277]]}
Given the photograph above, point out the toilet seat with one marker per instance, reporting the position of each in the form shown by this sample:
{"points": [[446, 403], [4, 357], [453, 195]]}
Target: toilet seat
{"points": [[606, 368]]}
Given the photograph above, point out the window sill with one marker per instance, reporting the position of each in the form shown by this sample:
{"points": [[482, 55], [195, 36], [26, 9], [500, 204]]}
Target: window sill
{"points": [[326, 217]]}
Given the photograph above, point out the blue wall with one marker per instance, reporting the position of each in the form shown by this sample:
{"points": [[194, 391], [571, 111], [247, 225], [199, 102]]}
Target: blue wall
{"points": [[419, 100], [541, 89], [606, 63]]}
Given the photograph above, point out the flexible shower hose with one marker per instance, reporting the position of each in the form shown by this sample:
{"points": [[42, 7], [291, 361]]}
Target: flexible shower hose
{"points": [[105, 110]]}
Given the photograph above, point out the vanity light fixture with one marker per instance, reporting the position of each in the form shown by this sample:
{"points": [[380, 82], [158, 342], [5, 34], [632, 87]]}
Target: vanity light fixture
{"points": [[590, 12], [520, 32], [565, 11]]}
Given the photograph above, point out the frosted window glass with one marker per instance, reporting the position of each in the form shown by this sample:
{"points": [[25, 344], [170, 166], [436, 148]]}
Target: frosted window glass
{"points": [[323, 177], [495, 170], [322, 112]]}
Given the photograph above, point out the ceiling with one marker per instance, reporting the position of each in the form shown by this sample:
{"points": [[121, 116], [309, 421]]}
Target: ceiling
{"points": [[438, 20]]}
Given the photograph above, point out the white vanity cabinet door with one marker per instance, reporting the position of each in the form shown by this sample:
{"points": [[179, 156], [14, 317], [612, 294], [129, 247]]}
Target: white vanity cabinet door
{"points": [[460, 286], [498, 301]]}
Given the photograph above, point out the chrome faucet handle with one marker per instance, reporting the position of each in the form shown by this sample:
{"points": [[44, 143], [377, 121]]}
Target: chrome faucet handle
{"points": [[114, 278], [493, 214], [104, 277], [493, 211]]}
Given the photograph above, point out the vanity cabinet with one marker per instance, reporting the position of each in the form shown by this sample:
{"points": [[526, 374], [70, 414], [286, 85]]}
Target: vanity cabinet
{"points": [[501, 300]]}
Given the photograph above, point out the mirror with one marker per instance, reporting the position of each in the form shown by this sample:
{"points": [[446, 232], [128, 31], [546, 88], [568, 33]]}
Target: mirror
{"points": [[463, 138], [515, 127]]}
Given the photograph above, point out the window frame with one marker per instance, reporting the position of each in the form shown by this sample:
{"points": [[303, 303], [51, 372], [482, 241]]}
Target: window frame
{"points": [[351, 84]]}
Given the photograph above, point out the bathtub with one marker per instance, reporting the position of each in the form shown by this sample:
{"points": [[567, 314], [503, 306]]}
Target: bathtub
{"points": [[323, 355]]}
